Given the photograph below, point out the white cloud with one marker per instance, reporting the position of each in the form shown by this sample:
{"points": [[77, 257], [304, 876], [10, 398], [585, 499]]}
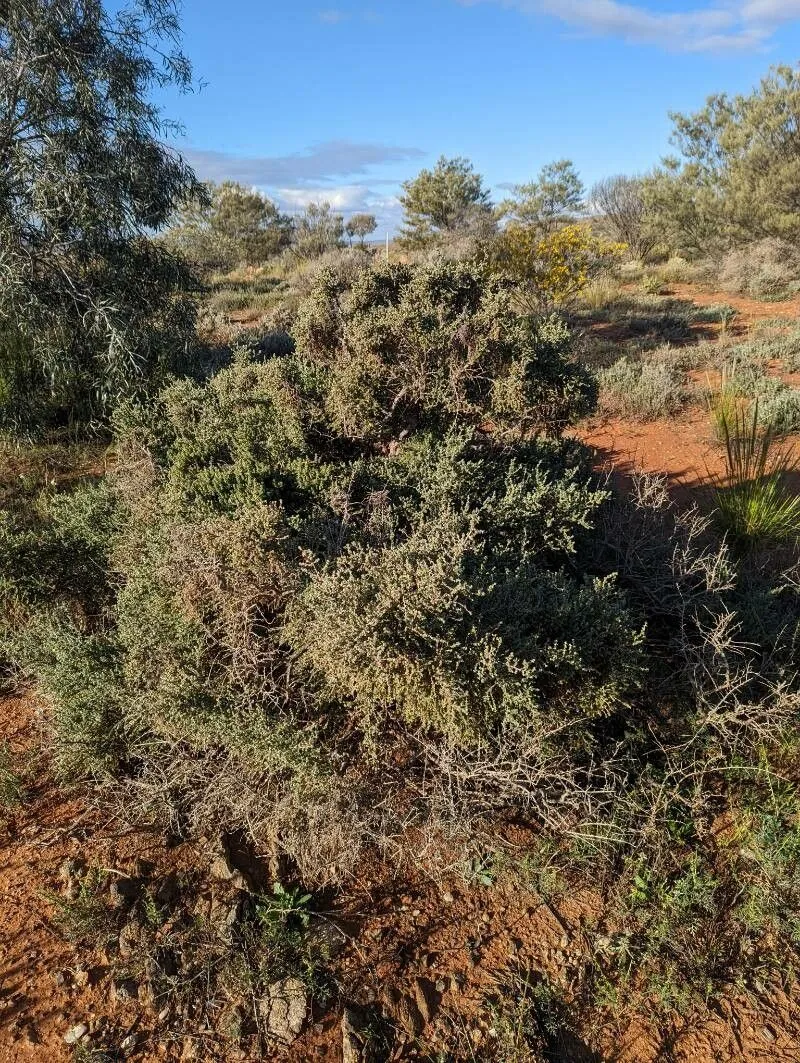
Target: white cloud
{"points": [[726, 25], [332, 17], [347, 199], [315, 176], [344, 198], [316, 166], [770, 12]]}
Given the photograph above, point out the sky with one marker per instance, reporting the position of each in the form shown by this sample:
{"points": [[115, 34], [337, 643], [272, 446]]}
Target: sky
{"points": [[342, 100]]}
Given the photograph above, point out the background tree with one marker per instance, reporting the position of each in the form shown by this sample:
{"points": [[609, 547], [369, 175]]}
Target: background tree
{"points": [[622, 210], [737, 176], [448, 200], [549, 202], [232, 225], [87, 307], [361, 226], [317, 230]]}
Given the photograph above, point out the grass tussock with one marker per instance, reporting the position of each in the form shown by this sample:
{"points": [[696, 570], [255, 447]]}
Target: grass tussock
{"points": [[757, 503]]}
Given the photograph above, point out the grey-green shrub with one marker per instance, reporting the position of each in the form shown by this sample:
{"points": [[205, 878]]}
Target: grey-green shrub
{"points": [[767, 269], [643, 390], [425, 346], [321, 549], [467, 617], [57, 554], [781, 410]]}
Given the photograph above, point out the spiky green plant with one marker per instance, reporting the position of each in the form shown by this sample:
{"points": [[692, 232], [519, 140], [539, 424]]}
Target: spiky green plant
{"points": [[725, 401], [756, 503]]}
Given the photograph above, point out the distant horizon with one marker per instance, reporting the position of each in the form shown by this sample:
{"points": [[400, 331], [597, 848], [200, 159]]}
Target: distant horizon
{"points": [[344, 103]]}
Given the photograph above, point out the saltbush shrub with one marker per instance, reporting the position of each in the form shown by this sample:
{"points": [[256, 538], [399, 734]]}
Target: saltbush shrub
{"points": [[767, 269], [643, 390], [417, 348], [323, 549]]}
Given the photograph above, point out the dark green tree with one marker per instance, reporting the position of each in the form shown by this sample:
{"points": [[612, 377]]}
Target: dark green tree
{"points": [[90, 306], [448, 200], [231, 225], [736, 178], [549, 202]]}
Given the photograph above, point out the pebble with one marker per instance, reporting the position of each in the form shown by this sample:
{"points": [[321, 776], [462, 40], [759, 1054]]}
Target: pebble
{"points": [[72, 1036]]}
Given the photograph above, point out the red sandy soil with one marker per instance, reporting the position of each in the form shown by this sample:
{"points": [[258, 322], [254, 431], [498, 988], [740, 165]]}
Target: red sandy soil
{"points": [[46, 987], [683, 447], [421, 946], [748, 310]]}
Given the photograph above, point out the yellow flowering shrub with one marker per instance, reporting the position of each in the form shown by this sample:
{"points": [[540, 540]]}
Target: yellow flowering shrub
{"points": [[552, 270]]}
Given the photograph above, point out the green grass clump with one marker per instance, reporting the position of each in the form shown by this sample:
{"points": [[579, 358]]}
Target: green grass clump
{"points": [[756, 503], [653, 284]]}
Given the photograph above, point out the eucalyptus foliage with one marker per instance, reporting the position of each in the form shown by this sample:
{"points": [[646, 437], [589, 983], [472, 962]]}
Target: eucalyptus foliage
{"points": [[90, 306]]}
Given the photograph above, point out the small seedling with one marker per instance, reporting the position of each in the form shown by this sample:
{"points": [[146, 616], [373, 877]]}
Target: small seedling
{"points": [[284, 908]]}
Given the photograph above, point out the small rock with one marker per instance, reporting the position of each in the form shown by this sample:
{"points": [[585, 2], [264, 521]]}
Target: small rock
{"points": [[426, 998], [283, 1009], [128, 1044], [129, 940], [73, 1035], [448, 897], [351, 1043], [124, 989]]}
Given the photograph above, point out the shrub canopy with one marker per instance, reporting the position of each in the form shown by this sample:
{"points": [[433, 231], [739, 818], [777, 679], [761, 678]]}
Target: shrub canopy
{"points": [[409, 349], [317, 550]]}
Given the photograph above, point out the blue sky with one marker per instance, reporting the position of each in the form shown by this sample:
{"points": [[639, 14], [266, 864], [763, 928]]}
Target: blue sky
{"points": [[343, 99]]}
